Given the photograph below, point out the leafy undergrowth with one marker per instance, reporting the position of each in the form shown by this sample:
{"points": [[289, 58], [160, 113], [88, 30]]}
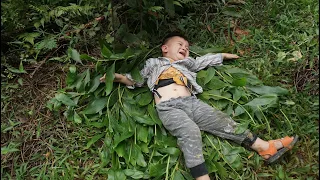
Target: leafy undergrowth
{"points": [[62, 123]]}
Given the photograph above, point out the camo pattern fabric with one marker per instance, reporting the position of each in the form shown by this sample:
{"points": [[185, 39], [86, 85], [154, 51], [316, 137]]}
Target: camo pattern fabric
{"points": [[184, 117]]}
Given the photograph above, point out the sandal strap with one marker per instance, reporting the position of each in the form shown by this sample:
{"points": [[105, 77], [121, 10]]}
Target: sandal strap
{"points": [[286, 141], [270, 151]]}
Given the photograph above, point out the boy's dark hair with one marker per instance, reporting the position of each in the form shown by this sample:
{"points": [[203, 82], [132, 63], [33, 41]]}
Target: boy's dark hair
{"points": [[172, 34]]}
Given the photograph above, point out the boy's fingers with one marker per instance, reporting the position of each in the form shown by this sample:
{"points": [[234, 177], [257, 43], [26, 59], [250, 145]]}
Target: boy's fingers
{"points": [[103, 78]]}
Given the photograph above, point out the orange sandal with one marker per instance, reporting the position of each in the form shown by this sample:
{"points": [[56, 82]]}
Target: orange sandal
{"points": [[275, 154]]}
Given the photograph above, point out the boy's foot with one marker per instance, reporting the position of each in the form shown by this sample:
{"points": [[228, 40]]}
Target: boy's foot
{"points": [[277, 148]]}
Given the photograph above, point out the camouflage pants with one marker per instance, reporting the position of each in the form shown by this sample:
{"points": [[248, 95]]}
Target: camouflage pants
{"points": [[184, 117]]}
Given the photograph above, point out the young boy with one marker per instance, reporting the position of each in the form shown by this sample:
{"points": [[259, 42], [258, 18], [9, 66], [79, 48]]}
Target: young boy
{"points": [[172, 79]]}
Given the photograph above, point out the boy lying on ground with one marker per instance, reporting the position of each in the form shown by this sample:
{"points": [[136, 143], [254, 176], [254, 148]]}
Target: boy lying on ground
{"points": [[172, 80]]}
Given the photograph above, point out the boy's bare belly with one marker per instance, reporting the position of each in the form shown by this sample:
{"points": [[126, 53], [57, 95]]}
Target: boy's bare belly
{"points": [[171, 91]]}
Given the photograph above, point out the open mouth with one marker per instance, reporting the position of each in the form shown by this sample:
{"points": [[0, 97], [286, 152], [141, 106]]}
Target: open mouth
{"points": [[183, 54]]}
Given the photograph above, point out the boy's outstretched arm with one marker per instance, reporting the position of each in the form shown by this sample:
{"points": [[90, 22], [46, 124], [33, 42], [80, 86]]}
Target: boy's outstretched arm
{"points": [[119, 78], [226, 56]]}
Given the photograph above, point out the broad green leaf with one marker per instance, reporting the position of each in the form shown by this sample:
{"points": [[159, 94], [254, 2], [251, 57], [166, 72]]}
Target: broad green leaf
{"points": [[239, 110], [95, 83], [121, 149], [95, 106], [170, 150], [142, 133], [153, 114], [156, 170], [178, 175], [210, 73], [94, 139], [77, 118], [239, 81], [221, 170], [20, 70], [135, 174], [116, 175], [109, 79], [105, 52], [265, 100], [64, 99], [87, 57], [143, 119], [118, 138], [140, 159], [145, 98], [216, 83], [136, 75], [73, 53], [236, 93], [87, 77], [268, 90], [202, 74], [242, 127]]}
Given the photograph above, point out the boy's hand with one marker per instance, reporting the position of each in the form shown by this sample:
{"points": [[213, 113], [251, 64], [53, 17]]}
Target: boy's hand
{"points": [[103, 78], [229, 56]]}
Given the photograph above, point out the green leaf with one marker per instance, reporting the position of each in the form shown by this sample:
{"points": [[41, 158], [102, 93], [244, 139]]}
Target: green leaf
{"points": [[145, 98], [210, 73], [116, 175], [118, 138], [77, 118], [239, 82], [178, 176], [74, 55], [105, 52], [153, 114], [95, 106], [94, 139], [109, 79], [143, 119], [140, 159], [95, 83], [21, 69], [121, 149], [87, 57], [268, 90], [170, 150], [135, 174], [136, 75], [87, 77], [216, 83], [142, 133], [156, 170], [265, 100], [73, 69], [64, 99], [221, 170], [242, 127]]}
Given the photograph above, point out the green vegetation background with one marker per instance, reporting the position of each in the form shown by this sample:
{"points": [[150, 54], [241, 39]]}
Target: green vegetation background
{"points": [[60, 122]]}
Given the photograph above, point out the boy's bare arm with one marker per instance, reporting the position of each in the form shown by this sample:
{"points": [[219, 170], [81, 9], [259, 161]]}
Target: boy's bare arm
{"points": [[119, 78], [227, 56]]}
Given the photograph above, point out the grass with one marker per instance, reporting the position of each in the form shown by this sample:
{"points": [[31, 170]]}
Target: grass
{"points": [[270, 37]]}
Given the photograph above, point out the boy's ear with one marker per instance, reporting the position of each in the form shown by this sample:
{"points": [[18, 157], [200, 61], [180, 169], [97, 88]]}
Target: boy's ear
{"points": [[164, 48]]}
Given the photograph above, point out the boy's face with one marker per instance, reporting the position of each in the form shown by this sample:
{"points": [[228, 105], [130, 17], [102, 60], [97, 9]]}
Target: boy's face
{"points": [[176, 48]]}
